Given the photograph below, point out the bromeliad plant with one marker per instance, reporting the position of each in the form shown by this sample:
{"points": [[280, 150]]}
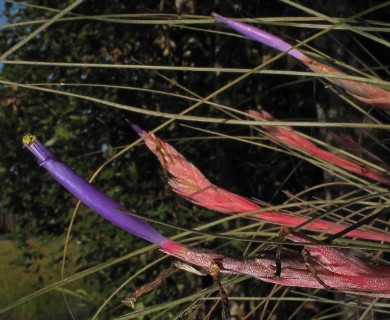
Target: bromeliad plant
{"points": [[319, 266]]}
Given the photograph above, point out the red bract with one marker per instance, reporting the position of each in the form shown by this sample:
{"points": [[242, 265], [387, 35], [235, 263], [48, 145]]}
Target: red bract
{"points": [[187, 181], [344, 272], [288, 137], [325, 267]]}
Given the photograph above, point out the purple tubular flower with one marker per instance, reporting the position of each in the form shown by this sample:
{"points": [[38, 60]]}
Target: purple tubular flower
{"points": [[259, 36], [89, 195]]}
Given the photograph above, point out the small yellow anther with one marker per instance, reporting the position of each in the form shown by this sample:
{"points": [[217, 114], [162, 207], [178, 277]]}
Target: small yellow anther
{"points": [[29, 138]]}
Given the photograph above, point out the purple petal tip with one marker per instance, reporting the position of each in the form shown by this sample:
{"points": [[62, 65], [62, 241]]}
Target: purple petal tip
{"points": [[217, 17], [136, 128], [259, 35]]}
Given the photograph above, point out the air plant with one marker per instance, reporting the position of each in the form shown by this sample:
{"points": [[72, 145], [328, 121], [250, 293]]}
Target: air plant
{"points": [[365, 92], [291, 139], [318, 267], [187, 181]]}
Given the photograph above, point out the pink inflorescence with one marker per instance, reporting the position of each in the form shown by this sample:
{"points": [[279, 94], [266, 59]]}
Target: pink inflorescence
{"points": [[189, 182]]}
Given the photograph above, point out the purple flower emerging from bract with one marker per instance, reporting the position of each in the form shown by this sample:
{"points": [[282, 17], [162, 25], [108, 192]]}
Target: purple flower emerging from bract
{"points": [[365, 92], [259, 35], [333, 269], [89, 195]]}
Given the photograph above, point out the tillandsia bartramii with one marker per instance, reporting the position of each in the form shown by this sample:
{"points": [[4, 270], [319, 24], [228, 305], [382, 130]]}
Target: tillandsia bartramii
{"points": [[319, 266]]}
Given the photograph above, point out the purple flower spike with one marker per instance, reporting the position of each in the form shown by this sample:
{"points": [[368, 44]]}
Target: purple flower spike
{"points": [[259, 35], [89, 195]]}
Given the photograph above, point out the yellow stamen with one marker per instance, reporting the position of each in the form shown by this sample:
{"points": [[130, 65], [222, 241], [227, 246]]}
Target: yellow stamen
{"points": [[29, 138]]}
